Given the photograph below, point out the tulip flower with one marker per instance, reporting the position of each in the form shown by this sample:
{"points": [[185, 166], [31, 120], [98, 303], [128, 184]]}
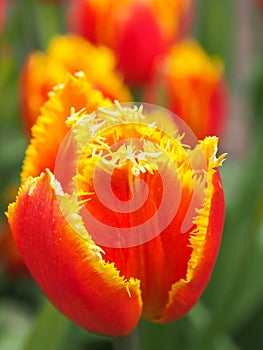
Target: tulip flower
{"points": [[192, 85], [65, 54], [106, 220], [138, 31]]}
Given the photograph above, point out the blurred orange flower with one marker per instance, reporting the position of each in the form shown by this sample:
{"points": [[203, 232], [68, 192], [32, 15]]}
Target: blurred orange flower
{"points": [[65, 54], [138, 31], [192, 85]]}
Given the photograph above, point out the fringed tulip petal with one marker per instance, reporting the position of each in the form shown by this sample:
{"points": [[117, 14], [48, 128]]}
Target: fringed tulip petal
{"points": [[68, 267], [48, 133], [205, 242]]}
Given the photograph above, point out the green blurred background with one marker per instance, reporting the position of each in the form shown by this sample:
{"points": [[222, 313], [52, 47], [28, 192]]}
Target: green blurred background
{"points": [[229, 315]]}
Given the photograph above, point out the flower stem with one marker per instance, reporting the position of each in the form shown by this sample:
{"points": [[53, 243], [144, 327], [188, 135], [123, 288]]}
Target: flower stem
{"points": [[129, 342]]}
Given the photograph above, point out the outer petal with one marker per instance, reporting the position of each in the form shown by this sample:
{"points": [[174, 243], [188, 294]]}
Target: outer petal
{"points": [[68, 267], [185, 293]]}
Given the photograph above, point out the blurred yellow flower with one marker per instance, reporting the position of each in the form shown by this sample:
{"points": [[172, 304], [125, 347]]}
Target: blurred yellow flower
{"points": [[192, 85], [65, 54]]}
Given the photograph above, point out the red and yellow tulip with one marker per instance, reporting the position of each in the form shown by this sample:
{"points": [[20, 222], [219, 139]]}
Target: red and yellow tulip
{"points": [[102, 287], [65, 54], [192, 85], [138, 31]]}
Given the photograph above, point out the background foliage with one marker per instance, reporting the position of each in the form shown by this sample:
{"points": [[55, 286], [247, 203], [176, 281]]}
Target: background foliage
{"points": [[229, 315]]}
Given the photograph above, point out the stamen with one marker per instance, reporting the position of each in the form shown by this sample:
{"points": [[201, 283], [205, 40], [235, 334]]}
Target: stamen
{"points": [[128, 290]]}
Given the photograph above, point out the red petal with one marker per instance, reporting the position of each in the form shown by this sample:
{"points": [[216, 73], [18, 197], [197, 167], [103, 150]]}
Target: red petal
{"points": [[139, 40], [68, 267], [185, 293]]}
